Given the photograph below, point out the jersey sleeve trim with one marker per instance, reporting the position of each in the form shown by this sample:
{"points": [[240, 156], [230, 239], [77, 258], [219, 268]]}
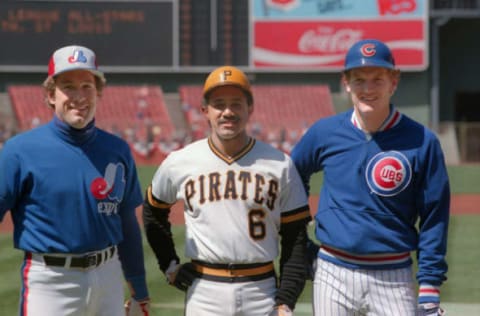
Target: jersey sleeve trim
{"points": [[156, 202], [301, 213]]}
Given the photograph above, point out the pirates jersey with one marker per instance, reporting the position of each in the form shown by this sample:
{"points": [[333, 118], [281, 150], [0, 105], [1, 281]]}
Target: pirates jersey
{"points": [[227, 200]]}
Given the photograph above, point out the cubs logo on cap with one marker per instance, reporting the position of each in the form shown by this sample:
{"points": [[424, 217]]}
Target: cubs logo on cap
{"points": [[368, 50], [369, 53], [74, 57], [388, 173]]}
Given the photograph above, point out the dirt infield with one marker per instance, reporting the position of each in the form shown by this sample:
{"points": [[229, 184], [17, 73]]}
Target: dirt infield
{"points": [[460, 204]]}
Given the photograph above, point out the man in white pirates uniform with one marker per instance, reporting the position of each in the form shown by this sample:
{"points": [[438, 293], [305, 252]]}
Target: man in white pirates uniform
{"points": [[243, 199]]}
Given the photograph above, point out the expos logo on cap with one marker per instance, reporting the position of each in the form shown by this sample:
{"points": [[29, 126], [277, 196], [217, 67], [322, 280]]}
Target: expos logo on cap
{"points": [[388, 173], [77, 57]]}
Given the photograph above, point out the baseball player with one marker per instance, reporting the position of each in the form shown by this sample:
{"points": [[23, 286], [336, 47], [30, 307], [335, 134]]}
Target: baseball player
{"points": [[240, 196], [382, 172], [72, 190]]}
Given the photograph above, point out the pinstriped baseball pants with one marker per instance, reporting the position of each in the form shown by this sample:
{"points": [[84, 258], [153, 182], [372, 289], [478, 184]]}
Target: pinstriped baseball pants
{"points": [[340, 291]]}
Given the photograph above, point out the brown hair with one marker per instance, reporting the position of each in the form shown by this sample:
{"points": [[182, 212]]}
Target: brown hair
{"points": [[49, 86]]}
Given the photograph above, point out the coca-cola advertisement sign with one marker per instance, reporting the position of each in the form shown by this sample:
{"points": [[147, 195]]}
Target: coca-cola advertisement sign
{"points": [[323, 45], [315, 35]]}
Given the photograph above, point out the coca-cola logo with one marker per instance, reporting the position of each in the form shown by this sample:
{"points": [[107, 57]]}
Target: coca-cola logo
{"points": [[327, 40]]}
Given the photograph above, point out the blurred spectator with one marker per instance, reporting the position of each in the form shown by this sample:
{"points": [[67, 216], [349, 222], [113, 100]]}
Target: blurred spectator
{"points": [[116, 131], [273, 138], [7, 130], [144, 143], [143, 148], [257, 130], [166, 145], [35, 122]]}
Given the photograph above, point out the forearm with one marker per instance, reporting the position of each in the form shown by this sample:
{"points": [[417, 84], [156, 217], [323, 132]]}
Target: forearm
{"points": [[292, 263], [432, 248], [434, 206], [130, 252], [158, 231]]}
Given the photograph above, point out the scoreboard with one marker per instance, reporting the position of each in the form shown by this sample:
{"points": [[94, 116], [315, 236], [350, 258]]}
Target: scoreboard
{"points": [[123, 34]]}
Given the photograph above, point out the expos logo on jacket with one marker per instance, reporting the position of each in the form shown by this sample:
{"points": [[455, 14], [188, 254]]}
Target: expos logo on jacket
{"points": [[111, 188]]}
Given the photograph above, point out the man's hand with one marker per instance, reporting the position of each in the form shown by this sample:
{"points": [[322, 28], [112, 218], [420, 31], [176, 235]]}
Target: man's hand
{"points": [[136, 308], [181, 275], [281, 310], [430, 309]]}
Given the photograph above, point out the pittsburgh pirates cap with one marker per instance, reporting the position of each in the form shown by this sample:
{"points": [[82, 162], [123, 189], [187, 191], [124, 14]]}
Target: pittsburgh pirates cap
{"points": [[74, 57]]}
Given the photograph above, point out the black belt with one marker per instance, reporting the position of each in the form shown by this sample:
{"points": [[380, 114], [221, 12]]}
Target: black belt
{"points": [[83, 262]]}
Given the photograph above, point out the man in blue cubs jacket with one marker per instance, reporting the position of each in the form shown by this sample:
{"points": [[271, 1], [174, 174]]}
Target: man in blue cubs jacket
{"points": [[72, 190], [383, 172]]}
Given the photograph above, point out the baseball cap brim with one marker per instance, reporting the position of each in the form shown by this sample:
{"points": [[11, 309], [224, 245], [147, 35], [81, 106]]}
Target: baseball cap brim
{"points": [[370, 63], [96, 73]]}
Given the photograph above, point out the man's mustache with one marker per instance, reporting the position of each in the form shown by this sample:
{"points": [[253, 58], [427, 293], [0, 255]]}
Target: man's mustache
{"points": [[233, 119]]}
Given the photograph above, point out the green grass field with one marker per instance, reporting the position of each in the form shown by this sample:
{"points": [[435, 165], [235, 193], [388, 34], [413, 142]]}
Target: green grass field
{"points": [[460, 294]]}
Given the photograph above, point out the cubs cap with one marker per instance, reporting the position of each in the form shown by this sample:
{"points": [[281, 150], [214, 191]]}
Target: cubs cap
{"points": [[74, 57], [369, 53], [227, 76]]}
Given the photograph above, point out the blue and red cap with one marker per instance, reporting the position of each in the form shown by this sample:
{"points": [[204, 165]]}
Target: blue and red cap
{"points": [[369, 53], [74, 57]]}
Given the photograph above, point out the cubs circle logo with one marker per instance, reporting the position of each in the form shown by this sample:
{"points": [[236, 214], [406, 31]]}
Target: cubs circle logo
{"points": [[388, 173], [368, 50]]}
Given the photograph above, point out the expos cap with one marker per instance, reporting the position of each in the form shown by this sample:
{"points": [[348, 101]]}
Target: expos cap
{"points": [[74, 57], [369, 53]]}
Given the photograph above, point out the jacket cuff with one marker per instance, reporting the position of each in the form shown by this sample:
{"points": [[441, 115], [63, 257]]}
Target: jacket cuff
{"points": [[428, 294]]}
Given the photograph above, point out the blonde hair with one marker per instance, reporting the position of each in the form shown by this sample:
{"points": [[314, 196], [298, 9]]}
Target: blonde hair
{"points": [[395, 73]]}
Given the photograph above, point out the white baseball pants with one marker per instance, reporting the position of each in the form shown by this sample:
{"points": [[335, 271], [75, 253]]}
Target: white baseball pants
{"points": [[207, 298], [339, 291], [47, 290]]}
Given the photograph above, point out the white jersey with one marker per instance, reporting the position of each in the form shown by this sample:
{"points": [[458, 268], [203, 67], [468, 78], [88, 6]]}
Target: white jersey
{"points": [[233, 206]]}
